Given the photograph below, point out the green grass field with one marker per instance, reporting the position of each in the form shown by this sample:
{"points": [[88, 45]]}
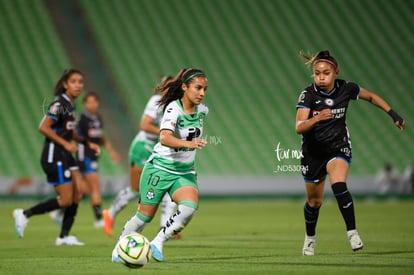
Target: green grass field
{"points": [[233, 236]]}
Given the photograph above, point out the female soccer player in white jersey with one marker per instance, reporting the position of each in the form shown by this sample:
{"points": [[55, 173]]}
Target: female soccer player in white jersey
{"points": [[170, 168], [326, 146], [139, 152]]}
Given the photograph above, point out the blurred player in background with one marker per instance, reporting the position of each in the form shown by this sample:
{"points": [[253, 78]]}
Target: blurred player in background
{"points": [[57, 160], [90, 126], [326, 146], [170, 169], [388, 180], [139, 152]]}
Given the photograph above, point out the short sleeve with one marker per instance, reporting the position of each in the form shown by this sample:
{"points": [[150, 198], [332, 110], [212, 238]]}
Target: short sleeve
{"points": [[152, 107], [353, 89], [53, 111], [169, 119], [304, 100]]}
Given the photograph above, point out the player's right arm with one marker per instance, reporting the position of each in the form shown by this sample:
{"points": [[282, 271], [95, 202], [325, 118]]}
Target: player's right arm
{"points": [[45, 128], [147, 125], [305, 124], [168, 139]]}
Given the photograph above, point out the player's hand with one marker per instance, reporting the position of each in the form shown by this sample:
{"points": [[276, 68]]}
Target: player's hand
{"points": [[114, 156], [95, 147], [198, 143], [400, 125], [71, 147], [325, 114]]}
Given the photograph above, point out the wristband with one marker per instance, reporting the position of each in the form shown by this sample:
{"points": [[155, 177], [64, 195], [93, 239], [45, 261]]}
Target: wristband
{"points": [[396, 117]]}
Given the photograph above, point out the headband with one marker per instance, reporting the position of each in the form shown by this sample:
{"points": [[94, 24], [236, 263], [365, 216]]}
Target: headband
{"points": [[192, 76]]}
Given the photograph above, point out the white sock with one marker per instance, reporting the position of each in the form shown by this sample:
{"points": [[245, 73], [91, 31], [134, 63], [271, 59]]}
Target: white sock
{"points": [[167, 209], [133, 225], [174, 225], [121, 200]]}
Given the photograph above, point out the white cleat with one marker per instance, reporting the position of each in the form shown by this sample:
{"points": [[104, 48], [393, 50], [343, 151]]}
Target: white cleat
{"points": [[115, 257], [20, 222], [309, 246], [355, 240], [68, 240]]}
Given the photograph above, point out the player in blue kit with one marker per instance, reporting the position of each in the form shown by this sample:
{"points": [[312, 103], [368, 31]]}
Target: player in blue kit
{"points": [[57, 160], [326, 144]]}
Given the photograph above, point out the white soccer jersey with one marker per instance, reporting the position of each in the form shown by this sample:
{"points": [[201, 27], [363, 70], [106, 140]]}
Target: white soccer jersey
{"points": [[155, 112], [185, 127]]}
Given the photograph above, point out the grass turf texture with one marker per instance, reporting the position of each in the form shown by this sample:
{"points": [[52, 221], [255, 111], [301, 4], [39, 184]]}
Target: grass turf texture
{"points": [[235, 236]]}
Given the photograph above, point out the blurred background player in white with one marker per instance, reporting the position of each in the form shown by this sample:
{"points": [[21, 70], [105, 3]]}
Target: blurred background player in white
{"points": [[139, 152], [326, 145], [170, 168], [407, 184], [387, 180], [57, 160]]}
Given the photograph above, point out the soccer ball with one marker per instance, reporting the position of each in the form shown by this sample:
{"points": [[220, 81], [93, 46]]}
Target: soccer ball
{"points": [[134, 250]]}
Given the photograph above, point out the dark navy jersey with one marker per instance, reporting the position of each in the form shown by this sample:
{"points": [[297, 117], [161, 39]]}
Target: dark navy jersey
{"points": [[90, 127], [62, 111], [331, 134]]}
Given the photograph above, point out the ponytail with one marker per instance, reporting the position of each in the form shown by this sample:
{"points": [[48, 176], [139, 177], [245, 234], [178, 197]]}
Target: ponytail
{"points": [[324, 56]]}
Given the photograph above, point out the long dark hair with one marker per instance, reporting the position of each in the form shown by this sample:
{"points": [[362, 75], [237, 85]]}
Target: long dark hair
{"points": [[163, 79], [171, 90], [59, 89]]}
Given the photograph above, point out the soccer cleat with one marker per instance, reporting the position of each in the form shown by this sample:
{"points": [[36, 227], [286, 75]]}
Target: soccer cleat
{"points": [[108, 223], [309, 246], [156, 253], [115, 258], [57, 216], [20, 222], [355, 240], [68, 240], [99, 223]]}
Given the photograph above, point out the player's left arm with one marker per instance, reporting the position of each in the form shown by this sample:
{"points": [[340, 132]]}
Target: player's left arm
{"points": [[381, 103]]}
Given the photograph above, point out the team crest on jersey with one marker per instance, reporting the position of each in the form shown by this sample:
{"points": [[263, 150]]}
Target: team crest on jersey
{"points": [[329, 102], [200, 119]]}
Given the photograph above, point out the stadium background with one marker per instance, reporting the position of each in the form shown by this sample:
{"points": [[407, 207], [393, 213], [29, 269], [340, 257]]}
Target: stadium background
{"points": [[249, 50]]}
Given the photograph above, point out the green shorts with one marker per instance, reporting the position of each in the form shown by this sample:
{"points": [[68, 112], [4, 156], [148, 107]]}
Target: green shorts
{"points": [[155, 183], [139, 152]]}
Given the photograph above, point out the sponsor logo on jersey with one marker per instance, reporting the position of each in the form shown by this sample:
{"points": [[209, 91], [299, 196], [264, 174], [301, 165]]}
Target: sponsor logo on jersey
{"points": [[95, 133], [70, 125]]}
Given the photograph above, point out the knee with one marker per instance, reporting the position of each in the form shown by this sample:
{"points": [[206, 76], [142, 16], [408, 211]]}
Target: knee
{"points": [[314, 202], [65, 202]]}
